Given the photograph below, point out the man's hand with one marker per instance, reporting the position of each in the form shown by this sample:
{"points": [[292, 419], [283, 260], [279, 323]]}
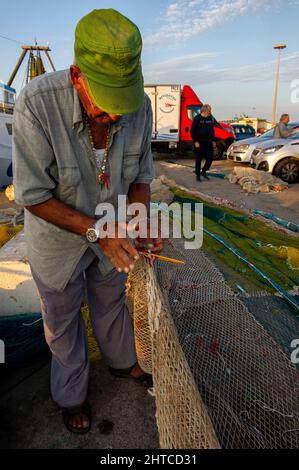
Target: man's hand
{"points": [[119, 251], [155, 245], [197, 145], [148, 243]]}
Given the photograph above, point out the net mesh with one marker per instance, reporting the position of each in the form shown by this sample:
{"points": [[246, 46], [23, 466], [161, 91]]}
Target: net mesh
{"points": [[220, 379]]}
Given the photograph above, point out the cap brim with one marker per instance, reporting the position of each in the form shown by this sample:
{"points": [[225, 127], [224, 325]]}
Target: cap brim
{"points": [[118, 100]]}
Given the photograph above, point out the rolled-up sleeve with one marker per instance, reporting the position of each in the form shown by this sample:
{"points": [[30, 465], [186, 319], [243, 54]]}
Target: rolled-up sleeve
{"points": [[32, 158], [146, 164]]}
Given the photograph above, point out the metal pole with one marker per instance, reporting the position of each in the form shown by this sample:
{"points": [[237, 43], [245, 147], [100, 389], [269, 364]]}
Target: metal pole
{"points": [[277, 47], [276, 89], [49, 59], [14, 73]]}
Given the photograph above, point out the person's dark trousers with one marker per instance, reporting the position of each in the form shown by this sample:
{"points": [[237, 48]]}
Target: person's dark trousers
{"points": [[205, 152]]}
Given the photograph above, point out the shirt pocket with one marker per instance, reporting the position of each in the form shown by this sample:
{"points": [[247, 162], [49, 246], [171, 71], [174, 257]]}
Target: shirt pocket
{"points": [[68, 180], [130, 169]]}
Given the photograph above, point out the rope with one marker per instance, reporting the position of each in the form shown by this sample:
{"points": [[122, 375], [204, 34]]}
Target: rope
{"points": [[12, 40], [285, 223]]}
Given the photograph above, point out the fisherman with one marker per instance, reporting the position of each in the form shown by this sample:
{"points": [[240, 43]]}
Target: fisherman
{"points": [[83, 137], [203, 136], [281, 130]]}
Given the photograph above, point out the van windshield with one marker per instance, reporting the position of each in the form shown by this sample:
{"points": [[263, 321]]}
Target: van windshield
{"points": [[193, 110]]}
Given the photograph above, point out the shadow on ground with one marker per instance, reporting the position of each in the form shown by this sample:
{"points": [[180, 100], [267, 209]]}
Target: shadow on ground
{"points": [[30, 419]]}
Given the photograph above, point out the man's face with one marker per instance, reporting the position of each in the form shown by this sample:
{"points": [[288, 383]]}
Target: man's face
{"points": [[286, 119], [207, 111], [92, 110]]}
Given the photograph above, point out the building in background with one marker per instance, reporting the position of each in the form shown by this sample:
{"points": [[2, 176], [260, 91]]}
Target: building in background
{"points": [[260, 125], [7, 98]]}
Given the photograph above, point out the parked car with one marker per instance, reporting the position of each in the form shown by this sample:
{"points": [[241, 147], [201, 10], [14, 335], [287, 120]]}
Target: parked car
{"points": [[243, 131], [242, 151], [279, 157]]}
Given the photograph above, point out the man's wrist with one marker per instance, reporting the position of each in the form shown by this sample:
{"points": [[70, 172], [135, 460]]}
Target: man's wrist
{"points": [[92, 231]]}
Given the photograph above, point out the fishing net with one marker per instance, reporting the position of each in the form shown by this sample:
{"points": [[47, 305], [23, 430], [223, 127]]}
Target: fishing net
{"points": [[265, 257], [24, 339], [275, 316], [220, 379], [255, 181]]}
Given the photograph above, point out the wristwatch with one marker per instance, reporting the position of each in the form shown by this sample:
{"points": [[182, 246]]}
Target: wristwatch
{"points": [[93, 234]]}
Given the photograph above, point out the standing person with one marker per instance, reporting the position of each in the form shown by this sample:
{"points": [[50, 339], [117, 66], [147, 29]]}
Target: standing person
{"points": [[83, 137], [281, 130], [203, 137]]}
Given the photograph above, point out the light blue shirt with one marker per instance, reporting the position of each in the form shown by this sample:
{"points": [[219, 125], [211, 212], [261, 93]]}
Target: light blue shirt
{"points": [[52, 157]]}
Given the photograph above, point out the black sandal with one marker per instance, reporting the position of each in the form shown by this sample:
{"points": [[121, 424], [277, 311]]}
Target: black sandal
{"points": [[68, 413], [146, 380]]}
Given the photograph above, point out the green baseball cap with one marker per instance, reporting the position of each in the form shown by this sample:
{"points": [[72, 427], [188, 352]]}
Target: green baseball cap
{"points": [[107, 50]]}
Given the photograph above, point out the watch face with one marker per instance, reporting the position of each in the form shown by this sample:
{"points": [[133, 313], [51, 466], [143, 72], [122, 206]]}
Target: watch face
{"points": [[92, 235]]}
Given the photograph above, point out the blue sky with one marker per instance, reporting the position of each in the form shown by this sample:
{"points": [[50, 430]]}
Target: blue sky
{"points": [[223, 48]]}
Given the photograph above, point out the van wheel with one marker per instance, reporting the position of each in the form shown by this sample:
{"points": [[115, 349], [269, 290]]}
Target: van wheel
{"points": [[288, 170]]}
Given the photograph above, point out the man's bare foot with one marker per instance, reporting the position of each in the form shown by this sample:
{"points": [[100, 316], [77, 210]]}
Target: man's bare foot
{"points": [[80, 421], [77, 419], [136, 371]]}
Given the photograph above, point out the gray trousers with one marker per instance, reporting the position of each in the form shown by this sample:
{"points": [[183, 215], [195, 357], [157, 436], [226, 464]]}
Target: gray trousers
{"points": [[65, 331]]}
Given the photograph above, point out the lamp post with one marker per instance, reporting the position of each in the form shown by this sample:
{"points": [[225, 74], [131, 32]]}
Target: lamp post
{"points": [[278, 47]]}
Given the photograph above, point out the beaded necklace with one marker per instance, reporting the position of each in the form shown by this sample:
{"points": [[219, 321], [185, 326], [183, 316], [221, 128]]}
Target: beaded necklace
{"points": [[103, 177]]}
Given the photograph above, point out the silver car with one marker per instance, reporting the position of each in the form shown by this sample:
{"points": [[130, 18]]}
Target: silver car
{"points": [[279, 157], [241, 151]]}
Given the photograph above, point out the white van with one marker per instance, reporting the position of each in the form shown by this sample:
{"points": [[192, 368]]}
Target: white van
{"points": [[7, 101], [5, 149]]}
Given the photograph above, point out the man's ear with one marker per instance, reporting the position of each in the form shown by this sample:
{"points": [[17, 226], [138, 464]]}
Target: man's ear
{"points": [[75, 74]]}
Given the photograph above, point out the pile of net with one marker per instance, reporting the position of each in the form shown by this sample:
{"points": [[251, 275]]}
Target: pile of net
{"points": [[220, 379], [265, 257], [11, 217], [255, 181]]}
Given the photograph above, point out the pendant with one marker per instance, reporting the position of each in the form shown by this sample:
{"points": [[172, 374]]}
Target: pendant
{"points": [[104, 179]]}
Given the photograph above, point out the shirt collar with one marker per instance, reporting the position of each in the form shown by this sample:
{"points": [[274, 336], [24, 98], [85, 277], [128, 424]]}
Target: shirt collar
{"points": [[77, 113]]}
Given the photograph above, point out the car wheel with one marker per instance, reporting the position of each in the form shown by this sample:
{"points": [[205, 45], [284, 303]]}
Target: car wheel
{"points": [[288, 170], [218, 151]]}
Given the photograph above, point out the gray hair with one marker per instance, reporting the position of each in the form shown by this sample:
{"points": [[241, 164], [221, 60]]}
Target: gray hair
{"points": [[206, 107], [284, 116]]}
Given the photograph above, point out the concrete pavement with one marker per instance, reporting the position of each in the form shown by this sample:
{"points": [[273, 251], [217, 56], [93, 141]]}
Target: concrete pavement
{"points": [[123, 415], [284, 204]]}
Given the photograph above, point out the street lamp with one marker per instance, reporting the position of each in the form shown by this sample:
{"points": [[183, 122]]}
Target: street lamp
{"points": [[278, 47]]}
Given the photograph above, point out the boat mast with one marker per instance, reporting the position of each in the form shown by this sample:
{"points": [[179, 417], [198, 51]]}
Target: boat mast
{"points": [[35, 65]]}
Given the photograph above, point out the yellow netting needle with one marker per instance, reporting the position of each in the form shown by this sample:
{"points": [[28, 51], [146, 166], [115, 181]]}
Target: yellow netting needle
{"points": [[162, 258]]}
